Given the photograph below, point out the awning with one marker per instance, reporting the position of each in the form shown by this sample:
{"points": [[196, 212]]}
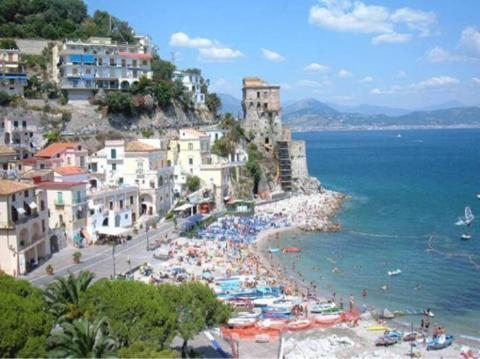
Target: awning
{"points": [[32, 205], [75, 58], [77, 238], [183, 207], [21, 211], [112, 231]]}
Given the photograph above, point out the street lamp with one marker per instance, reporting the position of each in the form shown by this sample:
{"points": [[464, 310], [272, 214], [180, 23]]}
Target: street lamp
{"points": [[146, 231], [113, 256]]}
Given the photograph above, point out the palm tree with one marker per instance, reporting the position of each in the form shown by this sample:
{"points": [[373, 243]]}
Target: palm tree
{"points": [[64, 294], [81, 339]]}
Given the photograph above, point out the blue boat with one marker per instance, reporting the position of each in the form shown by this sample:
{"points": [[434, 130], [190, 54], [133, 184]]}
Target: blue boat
{"points": [[441, 342], [274, 250]]}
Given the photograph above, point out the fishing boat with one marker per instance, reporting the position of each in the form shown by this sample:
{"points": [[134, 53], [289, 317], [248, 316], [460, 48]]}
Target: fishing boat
{"points": [[291, 250], [466, 221], [272, 323], [441, 342], [327, 318], [385, 341], [241, 322], [299, 324], [323, 307], [264, 301], [394, 272], [274, 250]]}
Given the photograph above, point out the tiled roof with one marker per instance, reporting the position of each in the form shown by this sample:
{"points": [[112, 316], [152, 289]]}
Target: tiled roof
{"points": [[55, 148], [59, 185], [5, 150], [29, 161], [135, 55], [137, 146], [36, 173], [8, 187], [70, 170], [191, 132]]}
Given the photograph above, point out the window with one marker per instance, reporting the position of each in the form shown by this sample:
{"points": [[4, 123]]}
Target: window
{"points": [[15, 123], [121, 204], [100, 61], [26, 193], [134, 63], [93, 167], [120, 181], [42, 205], [13, 197], [74, 71], [111, 205], [68, 161], [144, 62], [258, 94], [190, 146], [24, 123], [113, 153], [88, 71], [124, 63], [114, 166], [112, 61], [60, 197], [190, 161], [43, 225], [131, 199], [79, 196], [160, 181]]}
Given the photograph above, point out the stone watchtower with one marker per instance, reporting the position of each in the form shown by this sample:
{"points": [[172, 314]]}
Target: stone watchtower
{"points": [[261, 111]]}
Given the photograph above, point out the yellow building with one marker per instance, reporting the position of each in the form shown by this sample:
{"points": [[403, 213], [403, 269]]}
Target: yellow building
{"points": [[23, 227]]}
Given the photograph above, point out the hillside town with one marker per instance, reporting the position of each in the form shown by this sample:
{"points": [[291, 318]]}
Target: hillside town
{"points": [[59, 194]]}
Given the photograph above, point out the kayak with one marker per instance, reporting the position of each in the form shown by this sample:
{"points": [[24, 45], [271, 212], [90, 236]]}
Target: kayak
{"points": [[440, 342], [291, 250], [377, 328]]}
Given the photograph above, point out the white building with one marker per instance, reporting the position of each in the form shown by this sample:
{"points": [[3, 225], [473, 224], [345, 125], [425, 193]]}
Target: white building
{"points": [[192, 80], [13, 77], [80, 67]]}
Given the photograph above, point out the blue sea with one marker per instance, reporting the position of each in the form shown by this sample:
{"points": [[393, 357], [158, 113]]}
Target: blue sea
{"points": [[407, 188]]}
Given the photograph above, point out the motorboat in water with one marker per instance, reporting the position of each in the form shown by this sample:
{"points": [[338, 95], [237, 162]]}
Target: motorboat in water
{"points": [[273, 250], [441, 342], [466, 236], [394, 272], [428, 313]]}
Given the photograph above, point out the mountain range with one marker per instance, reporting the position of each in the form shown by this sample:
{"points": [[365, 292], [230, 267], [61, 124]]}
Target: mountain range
{"points": [[312, 114]]}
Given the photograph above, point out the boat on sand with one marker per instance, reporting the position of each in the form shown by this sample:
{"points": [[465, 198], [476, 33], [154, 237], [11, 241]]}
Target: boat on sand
{"points": [[441, 342]]}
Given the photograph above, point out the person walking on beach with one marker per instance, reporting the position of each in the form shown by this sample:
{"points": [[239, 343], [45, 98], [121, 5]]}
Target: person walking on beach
{"points": [[351, 302], [341, 303]]}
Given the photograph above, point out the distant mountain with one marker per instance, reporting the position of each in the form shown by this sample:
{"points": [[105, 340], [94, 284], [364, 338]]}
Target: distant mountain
{"points": [[312, 114], [443, 106], [366, 109], [230, 104], [308, 107]]}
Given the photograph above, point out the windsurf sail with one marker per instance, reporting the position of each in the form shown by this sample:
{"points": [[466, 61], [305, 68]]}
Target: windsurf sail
{"points": [[467, 220]]}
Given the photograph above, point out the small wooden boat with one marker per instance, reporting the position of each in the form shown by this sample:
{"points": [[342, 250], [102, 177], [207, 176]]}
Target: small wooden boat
{"points": [[441, 342], [241, 322], [327, 318], [299, 324], [291, 250], [272, 323]]}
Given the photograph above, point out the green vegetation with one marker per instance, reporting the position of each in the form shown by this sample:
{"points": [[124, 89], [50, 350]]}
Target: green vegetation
{"points": [[24, 320], [253, 166], [213, 102], [59, 19], [120, 103], [8, 44], [77, 318], [193, 183], [162, 70], [147, 133], [5, 98]]}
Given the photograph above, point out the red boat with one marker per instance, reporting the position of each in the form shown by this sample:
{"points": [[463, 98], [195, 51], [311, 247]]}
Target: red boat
{"points": [[291, 250]]}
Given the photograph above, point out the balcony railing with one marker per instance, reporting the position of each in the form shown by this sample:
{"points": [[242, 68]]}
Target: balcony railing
{"points": [[59, 202]]}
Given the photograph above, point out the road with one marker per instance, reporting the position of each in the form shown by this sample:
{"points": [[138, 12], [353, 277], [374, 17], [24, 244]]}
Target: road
{"points": [[100, 259]]}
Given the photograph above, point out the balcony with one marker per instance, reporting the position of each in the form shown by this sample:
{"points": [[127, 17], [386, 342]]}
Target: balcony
{"points": [[59, 202], [29, 128]]}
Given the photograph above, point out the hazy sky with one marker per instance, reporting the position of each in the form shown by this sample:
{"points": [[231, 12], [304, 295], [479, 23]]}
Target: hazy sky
{"points": [[386, 52]]}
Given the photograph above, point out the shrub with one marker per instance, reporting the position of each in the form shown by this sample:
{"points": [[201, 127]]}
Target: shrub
{"points": [[164, 93], [120, 102], [5, 98], [147, 133], [193, 183]]}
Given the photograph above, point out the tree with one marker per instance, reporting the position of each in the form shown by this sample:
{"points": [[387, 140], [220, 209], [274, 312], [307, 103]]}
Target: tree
{"points": [[136, 312], [141, 349], [214, 103], [120, 102], [197, 308], [193, 183], [5, 98], [24, 320], [81, 339], [223, 147], [162, 70], [8, 44], [144, 86], [64, 296], [164, 93]]}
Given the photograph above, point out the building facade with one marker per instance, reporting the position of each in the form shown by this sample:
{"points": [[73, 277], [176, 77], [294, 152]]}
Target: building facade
{"points": [[100, 63], [193, 81], [65, 154], [13, 77], [23, 227]]}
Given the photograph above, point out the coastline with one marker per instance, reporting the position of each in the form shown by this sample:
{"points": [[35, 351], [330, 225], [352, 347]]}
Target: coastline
{"points": [[363, 338]]}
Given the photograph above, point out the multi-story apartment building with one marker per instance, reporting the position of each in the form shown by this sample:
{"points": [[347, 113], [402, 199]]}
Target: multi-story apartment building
{"points": [[138, 163], [8, 159], [21, 132], [62, 155], [192, 80], [23, 227], [13, 77], [111, 208], [81, 67], [67, 209]]}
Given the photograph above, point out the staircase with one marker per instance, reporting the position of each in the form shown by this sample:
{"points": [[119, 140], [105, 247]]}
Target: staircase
{"points": [[285, 165]]}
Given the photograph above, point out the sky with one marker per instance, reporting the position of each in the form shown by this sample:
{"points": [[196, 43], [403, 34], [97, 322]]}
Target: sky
{"points": [[405, 54]]}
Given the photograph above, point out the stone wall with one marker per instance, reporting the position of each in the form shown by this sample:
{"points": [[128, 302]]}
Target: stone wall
{"points": [[298, 159]]}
